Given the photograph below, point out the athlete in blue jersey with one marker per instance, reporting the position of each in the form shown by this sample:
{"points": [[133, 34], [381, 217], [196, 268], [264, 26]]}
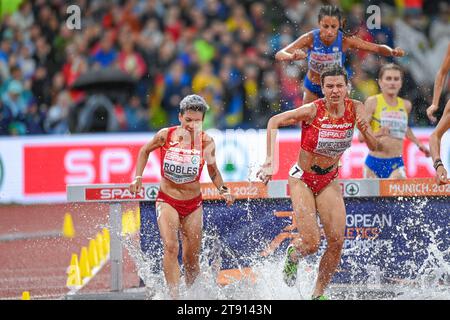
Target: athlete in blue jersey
{"points": [[326, 48]]}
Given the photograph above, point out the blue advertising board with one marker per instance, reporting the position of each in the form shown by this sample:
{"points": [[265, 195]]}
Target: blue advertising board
{"points": [[401, 237]]}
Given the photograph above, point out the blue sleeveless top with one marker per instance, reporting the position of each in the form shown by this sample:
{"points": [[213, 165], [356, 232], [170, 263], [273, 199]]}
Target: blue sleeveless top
{"points": [[322, 57]]}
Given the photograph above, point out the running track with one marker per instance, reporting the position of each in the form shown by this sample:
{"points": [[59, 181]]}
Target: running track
{"points": [[39, 265]]}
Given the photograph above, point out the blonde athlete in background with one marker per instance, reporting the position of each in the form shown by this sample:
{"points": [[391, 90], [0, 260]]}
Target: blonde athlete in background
{"points": [[438, 85], [388, 115], [184, 150], [327, 131]]}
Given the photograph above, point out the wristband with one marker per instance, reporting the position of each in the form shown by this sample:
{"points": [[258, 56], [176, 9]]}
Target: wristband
{"points": [[437, 164], [224, 189], [137, 177]]}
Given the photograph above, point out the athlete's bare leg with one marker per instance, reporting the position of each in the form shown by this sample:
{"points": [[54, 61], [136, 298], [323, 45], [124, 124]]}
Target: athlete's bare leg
{"points": [[398, 173], [169, 223], [368, 173], [331, 208], [191, 230], [304, 206]]}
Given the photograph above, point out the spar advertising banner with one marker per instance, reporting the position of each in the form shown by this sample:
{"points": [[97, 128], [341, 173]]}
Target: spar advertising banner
{"points": [[390, 238], [37, 169]]}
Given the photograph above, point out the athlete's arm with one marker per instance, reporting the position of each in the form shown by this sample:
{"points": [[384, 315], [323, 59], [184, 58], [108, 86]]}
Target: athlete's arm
{"points": [[156, 142], [354, 42], [410, 134], [294, 51], [412, 137], [364, 127], [435, 145], [438, 85], [369, 110], [304, 113], [209, 154]]}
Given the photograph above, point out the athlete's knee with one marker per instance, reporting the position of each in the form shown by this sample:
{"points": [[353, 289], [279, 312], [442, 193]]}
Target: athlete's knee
{"points": [[308, 245], [312, 247], [171, 248], [335, 242]]}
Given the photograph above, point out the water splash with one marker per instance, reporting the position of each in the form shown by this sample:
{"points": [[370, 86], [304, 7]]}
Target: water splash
{"points": [[424, 274]]}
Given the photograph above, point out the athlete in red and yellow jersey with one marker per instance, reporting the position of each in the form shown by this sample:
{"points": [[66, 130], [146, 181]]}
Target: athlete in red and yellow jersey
{"points": [[327, 131], [184, 150]]}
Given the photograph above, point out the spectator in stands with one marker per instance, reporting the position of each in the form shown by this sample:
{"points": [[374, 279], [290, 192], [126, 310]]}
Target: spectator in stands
{"points": [[13, 97], [176, 85], [136, 116], [34, 118], [206, 32], [6, 118], [106, 55], [130, 60], [56, 121]]}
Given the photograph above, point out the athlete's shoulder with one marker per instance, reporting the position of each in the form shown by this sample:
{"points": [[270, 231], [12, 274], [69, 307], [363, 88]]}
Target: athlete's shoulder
{"points": [[407, 104], [162, 134], [372, 100], [354, 104], [314, 105]]}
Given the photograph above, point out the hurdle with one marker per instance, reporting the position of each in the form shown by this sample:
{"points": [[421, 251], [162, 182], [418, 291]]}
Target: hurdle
{"points": [[116, 194]]}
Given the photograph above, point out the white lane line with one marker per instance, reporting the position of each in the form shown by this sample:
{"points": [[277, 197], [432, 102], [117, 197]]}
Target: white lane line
{"points": [[30, 235]]}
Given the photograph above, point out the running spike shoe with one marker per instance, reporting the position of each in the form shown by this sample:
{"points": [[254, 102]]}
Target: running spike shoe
{"points": [[290, 267]]}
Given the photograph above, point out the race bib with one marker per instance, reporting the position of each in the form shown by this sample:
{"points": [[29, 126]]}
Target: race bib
{"points": [[320, 62], [397, 122], [181, 167], [333, 143]]}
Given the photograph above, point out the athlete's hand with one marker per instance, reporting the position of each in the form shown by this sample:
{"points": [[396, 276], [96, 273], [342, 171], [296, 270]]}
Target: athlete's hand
{"points": [[229, 198], [398, 52], [441, 175], [430, 112], [265, 172], [136, 185], [298, 54], [424, 149], [384, 131]]}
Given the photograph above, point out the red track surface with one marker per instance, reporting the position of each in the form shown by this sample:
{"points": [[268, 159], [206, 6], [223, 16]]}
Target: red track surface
{"points": [[39, 265]]}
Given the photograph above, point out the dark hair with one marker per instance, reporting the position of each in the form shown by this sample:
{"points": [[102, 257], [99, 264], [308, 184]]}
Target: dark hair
{"points": [[390, 66], [193, 102], [331, 11], [334, 71], [334, 11]]}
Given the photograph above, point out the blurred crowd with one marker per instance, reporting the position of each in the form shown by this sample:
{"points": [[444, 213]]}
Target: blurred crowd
{"points": [[222, 50]]}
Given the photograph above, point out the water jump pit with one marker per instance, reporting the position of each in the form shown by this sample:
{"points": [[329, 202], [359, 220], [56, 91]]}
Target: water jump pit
{"points": [[397, 244]]}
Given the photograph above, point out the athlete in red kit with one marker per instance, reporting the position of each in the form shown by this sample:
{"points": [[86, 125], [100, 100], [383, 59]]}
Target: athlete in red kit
{"points": [[327, 131], [184, 151]]}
